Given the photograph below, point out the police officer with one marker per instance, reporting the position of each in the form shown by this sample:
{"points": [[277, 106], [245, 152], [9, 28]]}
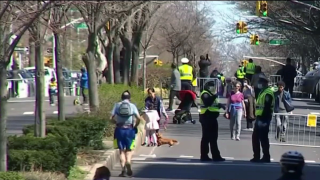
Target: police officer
{"points": [[250, 69], [264, 110], [240, 74], [187, 74], [209, 112]]}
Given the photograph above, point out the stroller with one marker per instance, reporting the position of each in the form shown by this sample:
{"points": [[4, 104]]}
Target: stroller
{"points": [[182, 114]]}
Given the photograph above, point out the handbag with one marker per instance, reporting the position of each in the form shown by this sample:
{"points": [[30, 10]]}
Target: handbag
{"points": [[287, 105]]}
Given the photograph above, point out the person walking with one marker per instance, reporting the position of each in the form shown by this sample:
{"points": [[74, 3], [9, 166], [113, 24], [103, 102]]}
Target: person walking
{"points": [[126, 128], [283, 104], [154, 102], [187, 74], [264, 110], [84, 85], [289, 72], [255, 81], [235, 110], [204, 65], [175, 85], [209, 112], [249, 101], [240, 74], [250, 70], [53, 89]]}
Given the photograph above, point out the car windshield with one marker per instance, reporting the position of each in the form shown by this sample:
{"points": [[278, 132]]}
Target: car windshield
{"points": [[33, 72]]}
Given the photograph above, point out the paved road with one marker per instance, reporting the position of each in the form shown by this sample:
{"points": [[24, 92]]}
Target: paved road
{"points": [[21, 113], [182, 161]]}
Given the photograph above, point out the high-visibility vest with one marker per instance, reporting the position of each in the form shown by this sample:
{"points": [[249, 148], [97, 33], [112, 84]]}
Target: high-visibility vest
{"points": [[213, 108], [222, 79], [250, 69], [240, 73], [194, 82], [53, 85], [185, 72], [261, 101]]}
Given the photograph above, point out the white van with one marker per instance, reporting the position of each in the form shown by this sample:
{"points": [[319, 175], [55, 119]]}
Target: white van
{"points": [[48, 74]]}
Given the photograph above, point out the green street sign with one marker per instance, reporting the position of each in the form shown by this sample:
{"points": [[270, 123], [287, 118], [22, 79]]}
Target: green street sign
{"points": [[81, 26], [277, 42], [139, 66]]}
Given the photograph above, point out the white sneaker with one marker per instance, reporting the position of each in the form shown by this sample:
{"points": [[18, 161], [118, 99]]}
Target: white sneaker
{"points": [[238, 139]]}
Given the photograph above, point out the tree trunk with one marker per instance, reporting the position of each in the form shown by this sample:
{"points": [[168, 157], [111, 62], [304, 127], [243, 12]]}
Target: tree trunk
{"points": [[135, 57], [127, 58], [3, 116], [40, 90], [116, 61], [109, 51], [60, 79], [91, 69], [31, 52]]}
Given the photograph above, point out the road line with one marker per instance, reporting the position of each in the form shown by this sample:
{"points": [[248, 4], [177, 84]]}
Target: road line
{"points": [[310, 161], [28, 113], [138, 158], [206, 164], [314, 113], [149, 155], [228, 157], [55, 112], [183, 160], [183, 156]]}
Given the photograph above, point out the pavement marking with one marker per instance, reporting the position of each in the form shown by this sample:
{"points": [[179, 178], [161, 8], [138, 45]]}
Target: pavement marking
{"points": [[271, 159], [183, 156], [55, 112], [296, 145], [310, 161], [149, 155], [138, 158], [314, 113], [228, 157], [152, 151], [25, 113], [183, 160]]}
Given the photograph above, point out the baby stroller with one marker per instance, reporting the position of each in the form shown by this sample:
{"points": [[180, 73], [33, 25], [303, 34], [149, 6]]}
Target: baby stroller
{"points": [[182, 114]]}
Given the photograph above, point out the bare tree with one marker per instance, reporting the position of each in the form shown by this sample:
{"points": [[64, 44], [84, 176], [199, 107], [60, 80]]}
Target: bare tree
{"points": [[10, 13]]}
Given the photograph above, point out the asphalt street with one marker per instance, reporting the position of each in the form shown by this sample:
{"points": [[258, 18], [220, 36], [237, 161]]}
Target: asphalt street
{"points": [[21, 112], [182, 160]]}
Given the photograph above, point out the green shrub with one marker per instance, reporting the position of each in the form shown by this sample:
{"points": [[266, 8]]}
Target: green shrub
{"points": [[52, 153], [83, 131], [11, 176], [36, 175]]}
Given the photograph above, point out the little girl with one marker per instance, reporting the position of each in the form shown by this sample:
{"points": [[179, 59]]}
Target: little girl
{"points": [[151, 117]]}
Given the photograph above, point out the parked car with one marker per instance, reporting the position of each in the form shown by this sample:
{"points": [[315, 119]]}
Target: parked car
{"points": [[310, 83], [26, 86]]}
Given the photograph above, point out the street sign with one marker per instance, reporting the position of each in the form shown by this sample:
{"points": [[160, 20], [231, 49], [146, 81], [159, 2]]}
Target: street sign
{"points": [[25, 49], [277, 42], [81, 26]]}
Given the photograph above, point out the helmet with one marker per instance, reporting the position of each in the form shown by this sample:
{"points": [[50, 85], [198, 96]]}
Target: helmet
{"points": [[184, 60], [211, 86], [292, 162]]}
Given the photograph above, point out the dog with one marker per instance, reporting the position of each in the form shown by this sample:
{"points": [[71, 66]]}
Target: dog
{"points": [[161, 140]]}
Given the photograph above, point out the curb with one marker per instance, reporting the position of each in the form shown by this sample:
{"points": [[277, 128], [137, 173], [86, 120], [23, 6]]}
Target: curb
{"points": [[111, 156]]}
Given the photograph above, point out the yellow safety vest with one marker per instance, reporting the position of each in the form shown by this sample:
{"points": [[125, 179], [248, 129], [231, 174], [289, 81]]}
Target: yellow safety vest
{"points": [[261, 101], [250, 68], [213, 108], [53, 85], [222, 79], [194, 82], [185, 72], [240, 74]]}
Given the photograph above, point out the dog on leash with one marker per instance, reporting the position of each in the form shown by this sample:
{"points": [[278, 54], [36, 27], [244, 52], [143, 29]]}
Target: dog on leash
{"points": [[161, 140]]}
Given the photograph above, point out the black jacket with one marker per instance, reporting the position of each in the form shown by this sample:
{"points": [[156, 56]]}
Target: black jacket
{"points": [[288, 74], [204, 67]]}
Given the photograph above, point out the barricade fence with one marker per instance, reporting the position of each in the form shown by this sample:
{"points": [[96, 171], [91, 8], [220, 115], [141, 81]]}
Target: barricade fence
{"points": [[23, 88], [201, 81], [295, 130]]}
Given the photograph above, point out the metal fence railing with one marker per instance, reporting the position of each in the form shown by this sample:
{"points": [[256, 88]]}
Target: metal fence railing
{"points": [[295, 130]]}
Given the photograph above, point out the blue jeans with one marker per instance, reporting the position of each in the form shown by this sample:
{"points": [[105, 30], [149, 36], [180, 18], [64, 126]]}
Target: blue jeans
{"points": [[235, 120]]}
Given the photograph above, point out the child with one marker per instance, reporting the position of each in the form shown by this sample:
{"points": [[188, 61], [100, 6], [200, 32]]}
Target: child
{"points": [[52, 90], [102, 173], [151, 127]]}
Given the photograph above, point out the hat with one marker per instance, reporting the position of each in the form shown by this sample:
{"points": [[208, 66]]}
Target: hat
{"points": [[264, 77], [184, 60]]}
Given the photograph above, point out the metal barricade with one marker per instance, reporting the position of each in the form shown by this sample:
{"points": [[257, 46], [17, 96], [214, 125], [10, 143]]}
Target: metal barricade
{"points": [[297, 84], [201, 81], [294, 130], [20, 88], [274, 79]]}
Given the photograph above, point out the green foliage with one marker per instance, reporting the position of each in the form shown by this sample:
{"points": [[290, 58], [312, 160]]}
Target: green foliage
{"points": [[36, 175], [11, 176], [83, 131], [52, 153], [76, 174]]}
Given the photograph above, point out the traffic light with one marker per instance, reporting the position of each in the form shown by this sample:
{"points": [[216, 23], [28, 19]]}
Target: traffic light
{"points": [[108, 25], [252, 42], [244, 27], [256, 40], [258, 3], [157, 62], [264, 8], [239, 27]]}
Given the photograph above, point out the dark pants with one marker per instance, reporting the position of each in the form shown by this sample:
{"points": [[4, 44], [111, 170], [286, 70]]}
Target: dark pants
{"points": [[15, 85], [250, 123], [260, 136], [52, 93], [209, 136], [249, 76], [173, 94], [84, 93], [186, 85], [289, 87]]}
